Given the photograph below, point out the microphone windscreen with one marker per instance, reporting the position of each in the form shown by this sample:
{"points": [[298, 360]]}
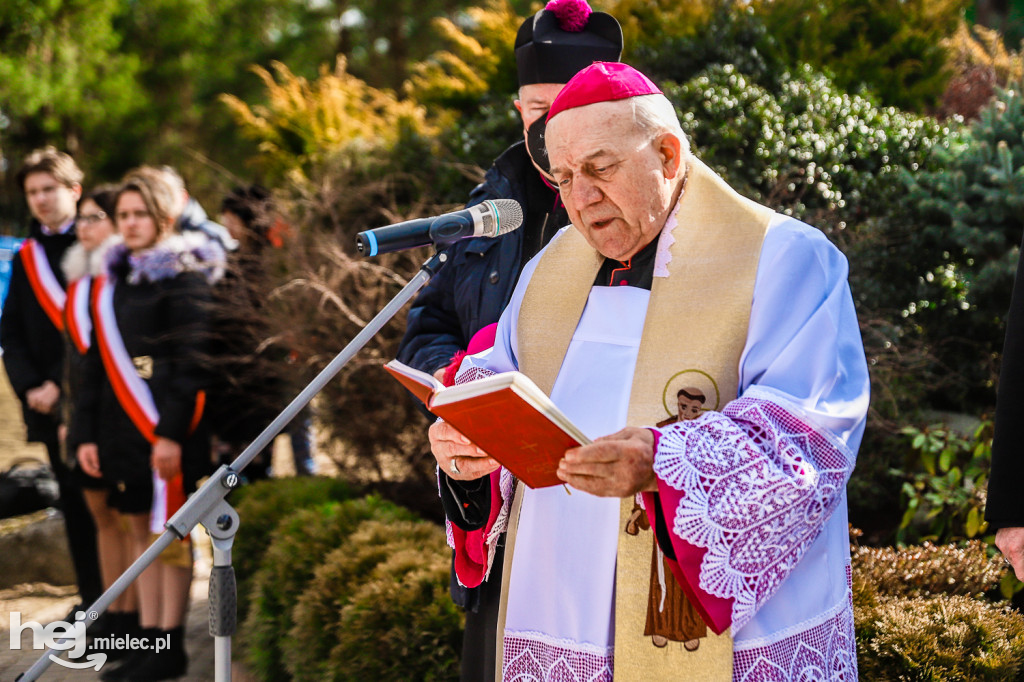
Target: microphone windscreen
{"points": [[509, 215]]}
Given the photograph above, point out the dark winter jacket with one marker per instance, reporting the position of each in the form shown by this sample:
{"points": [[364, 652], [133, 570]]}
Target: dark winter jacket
{"points": [[1005, 507], [33, 348], [161, 304], [476, 284]]}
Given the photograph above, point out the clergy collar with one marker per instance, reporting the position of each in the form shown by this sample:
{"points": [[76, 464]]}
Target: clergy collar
{"points": [[638, 271]]}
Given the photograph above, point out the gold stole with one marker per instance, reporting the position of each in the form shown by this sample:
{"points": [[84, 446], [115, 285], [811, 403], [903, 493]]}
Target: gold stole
{"points": [[694, 333]]}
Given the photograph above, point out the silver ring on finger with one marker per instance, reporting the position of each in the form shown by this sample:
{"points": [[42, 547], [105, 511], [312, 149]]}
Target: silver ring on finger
{"points": [[1007, 562], [454, 467]]}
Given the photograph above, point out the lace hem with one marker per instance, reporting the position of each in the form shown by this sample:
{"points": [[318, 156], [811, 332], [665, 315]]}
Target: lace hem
{"points": [[757, 485], [536, 657], [826, 651]]}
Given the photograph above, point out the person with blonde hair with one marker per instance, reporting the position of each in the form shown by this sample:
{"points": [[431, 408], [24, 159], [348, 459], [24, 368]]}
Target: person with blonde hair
{"points": [[138, 415], [81, 264]]}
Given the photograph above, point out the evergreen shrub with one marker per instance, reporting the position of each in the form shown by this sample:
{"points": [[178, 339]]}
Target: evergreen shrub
{"points": [[811, 150], [880, 573], [301, 542], [729, 33], [967, 217], [378, 608], [892, 47], [940, 637], [260, 506]]}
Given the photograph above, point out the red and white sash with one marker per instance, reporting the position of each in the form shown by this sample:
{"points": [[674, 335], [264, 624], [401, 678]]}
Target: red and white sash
{"points": [[135, 398], [76, 314], [45, 286], [131, 390]]}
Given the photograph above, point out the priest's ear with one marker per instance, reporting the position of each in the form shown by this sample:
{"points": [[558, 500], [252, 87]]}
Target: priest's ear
{"points": [[670, 151]]}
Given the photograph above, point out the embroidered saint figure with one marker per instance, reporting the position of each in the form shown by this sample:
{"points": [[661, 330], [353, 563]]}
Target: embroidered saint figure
{"points": [[670, 615]]}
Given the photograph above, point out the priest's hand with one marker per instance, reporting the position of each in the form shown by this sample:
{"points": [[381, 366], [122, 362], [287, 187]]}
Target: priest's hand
{"points": [[456, 456], [1010, 542], [619, 465]]}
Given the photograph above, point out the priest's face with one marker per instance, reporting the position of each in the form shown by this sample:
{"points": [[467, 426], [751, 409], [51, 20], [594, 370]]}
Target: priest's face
{"points": [[617, 183]]}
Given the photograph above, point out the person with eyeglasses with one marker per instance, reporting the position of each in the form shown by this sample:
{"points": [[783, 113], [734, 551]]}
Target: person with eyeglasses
{"points": [[82, 263], [31, 334]]}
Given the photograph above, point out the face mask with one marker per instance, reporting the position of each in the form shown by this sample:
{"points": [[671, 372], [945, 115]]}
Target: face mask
{"points": [[535, 144]]}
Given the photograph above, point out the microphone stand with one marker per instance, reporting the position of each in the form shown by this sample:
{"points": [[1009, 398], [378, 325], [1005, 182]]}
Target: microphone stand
{"points": [[207, 506]]}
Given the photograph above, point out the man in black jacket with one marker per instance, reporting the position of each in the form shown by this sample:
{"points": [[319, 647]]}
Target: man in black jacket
{"points": [[31, 334], [1005, 511], [476, 284]]}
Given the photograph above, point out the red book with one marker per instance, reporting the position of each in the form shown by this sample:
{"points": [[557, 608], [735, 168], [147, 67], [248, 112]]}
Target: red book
{"points": [[505, 415]]}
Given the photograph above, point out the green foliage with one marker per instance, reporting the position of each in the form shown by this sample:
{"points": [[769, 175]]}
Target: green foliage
{"points": [[966, 211], [892, 47], [728, 34], [300, 543], [261, 506], [401, 624], [944, 486], [647, 24], [378, 608], [939, 638], [811, 150], [64, 77], [304, 123], [478, 62], [471, 85]]}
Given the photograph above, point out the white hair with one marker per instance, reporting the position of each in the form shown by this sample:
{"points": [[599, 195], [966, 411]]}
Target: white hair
{"points": [[655, 115]]}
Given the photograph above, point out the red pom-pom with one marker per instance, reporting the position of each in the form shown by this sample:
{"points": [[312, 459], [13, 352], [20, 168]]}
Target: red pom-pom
{"points": [[572, 14]]}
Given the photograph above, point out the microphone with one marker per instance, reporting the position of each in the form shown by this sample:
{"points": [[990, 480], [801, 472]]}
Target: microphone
{"points": [[491, 218]]}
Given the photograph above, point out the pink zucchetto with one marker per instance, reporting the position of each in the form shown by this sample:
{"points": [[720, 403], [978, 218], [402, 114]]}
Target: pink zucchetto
{"points": [[602, 82]]}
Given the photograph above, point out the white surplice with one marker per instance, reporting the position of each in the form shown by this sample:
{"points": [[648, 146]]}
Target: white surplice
{"points": [[802, 371]]}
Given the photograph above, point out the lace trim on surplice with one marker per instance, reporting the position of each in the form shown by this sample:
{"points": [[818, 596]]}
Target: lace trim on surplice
{"points": [[758, 482]]}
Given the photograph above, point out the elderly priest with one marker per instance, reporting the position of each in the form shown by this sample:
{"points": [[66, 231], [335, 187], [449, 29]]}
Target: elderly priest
{"points": [[714, 546]]}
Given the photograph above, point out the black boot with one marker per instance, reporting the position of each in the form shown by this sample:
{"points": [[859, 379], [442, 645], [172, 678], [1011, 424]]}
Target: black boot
{"points": [[125, 670], [168, 664], [124, 626]]}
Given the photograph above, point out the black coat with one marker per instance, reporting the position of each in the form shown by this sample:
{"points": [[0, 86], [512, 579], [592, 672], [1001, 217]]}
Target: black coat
{"points": [[1005, 506], [164, 319], [473, 288], [33, 348]]}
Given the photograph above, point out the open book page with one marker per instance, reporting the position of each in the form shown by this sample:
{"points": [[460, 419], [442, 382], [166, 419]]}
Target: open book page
{"points": [[421, 384]]}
